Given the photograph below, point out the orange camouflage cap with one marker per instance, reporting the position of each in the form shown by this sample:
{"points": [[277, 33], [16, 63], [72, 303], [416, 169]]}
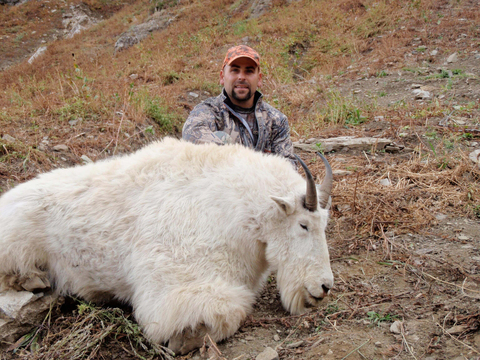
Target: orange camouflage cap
{"points": [[241, 51]]}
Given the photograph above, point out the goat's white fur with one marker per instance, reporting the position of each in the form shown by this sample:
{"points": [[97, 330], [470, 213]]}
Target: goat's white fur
{"points": [[185, 233]]}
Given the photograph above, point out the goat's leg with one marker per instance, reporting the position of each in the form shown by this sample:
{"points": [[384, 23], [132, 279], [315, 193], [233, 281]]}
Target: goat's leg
{"points": [[185, 314]]}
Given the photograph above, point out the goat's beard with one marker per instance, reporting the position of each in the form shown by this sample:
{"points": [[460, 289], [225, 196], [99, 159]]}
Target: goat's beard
{"points": [[292, 295]]}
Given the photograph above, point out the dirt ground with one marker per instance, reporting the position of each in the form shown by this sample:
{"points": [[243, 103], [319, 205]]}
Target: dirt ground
{"points": [[413, 290]]}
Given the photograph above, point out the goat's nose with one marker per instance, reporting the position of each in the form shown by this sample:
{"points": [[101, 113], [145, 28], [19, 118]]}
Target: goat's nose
{"points": [[325, 288]]}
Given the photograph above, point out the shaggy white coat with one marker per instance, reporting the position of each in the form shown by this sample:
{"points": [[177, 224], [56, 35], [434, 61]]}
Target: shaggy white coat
{"points": [[185, 233]]}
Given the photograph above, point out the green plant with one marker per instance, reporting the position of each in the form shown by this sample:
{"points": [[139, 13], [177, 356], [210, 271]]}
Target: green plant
{"points": [[320, 147], [382, 74], [161, 115], [476, 211], [432, 135], [354, 117], [376, 318], [448, 144], [162, 4], [170, 77]]}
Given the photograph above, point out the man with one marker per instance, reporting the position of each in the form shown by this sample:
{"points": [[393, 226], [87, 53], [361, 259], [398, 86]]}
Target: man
{"points": [[239, 114]]}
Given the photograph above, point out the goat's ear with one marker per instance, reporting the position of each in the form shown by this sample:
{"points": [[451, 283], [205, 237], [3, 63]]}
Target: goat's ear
{"points": [[322, 196], [286, 204]]}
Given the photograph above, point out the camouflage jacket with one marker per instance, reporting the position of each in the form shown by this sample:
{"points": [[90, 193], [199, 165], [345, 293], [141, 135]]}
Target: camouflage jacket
{"points": [[217, 114]]}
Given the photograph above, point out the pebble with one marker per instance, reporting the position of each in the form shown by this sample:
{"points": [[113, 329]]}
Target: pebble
{"points": [[421, 94], [86, 159], [8, 138], [61, 147], [441, 216], [396, 327], [385, 182], [452, 58], [267, 354], [276, 337], [475, 156]]}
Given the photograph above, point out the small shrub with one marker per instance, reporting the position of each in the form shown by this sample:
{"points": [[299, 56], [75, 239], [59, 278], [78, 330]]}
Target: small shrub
{"points": [[161, 115]]}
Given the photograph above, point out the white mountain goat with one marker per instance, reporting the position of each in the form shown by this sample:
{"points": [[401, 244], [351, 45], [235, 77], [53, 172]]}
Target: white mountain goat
{"points": [[187, 234]]}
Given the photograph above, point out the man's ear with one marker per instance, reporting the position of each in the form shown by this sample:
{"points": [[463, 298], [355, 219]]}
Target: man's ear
{"points": [[285, 204], [260, 83], [222, 81]]}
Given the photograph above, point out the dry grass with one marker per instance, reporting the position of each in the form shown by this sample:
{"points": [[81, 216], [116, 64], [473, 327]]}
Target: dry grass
{"points": [[83, 335]]}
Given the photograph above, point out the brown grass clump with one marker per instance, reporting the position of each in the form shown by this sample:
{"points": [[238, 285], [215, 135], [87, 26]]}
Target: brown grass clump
{"points": [[415, 191], [85, 334]]}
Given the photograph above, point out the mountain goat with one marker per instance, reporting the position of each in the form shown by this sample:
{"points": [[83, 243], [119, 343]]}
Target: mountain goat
{"points": [[187, 234]]}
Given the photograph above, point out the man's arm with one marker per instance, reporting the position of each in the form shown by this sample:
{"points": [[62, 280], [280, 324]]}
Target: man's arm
{"points": [[200, 126], [281, 141]]}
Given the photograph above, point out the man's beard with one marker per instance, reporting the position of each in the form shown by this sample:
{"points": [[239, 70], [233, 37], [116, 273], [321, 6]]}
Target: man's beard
{"points": [[242, 98]]}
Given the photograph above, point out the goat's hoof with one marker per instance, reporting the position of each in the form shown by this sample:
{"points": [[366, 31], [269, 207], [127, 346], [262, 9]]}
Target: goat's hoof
{"points": [[35, 283], [30, 283], [188, 340]]}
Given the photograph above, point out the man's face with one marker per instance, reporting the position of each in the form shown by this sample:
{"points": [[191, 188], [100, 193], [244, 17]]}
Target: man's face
{"points": [[241, 79]]}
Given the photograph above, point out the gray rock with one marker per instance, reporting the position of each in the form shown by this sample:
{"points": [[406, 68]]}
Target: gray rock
{"points": [[440, 216], [267, 354], [78, 19], [452, 58], [260, 7], [475, 156], [86, 159], [157, 22], [61, 147], [396, 327], [8, 138], [385, 182], [21, 311], [11, 2], [40, 51], [422, 94]]}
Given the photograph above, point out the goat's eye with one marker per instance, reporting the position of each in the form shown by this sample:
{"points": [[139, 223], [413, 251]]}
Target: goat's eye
{"points": [[304, 227]]}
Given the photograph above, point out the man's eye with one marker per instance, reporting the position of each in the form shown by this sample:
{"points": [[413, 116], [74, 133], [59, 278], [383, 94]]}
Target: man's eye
{"points": [[304, 227]]}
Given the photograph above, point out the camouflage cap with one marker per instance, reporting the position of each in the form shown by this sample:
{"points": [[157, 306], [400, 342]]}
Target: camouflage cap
{"points": [[241, 51]]}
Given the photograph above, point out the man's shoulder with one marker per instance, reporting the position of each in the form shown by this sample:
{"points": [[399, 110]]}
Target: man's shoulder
{"points": [[272, 112], [211, 104]]}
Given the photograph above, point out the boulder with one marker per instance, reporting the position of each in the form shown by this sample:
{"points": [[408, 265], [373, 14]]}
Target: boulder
{"points": [[157, 22]]}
